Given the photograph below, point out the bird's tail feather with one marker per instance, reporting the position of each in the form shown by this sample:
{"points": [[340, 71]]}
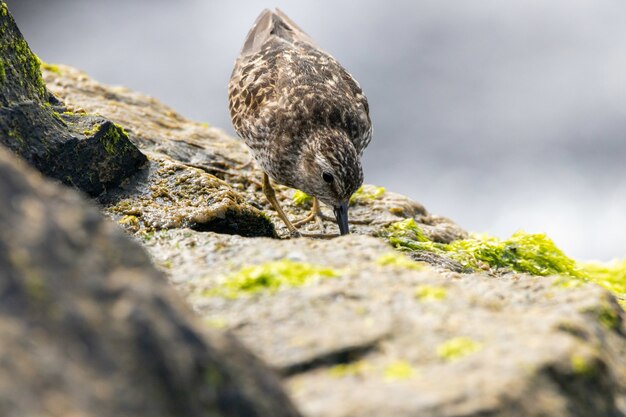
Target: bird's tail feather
{"points": [[272, 23]]}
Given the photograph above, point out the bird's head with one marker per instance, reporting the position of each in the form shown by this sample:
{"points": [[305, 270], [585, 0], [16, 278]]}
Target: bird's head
{"points": [[329, 168]]}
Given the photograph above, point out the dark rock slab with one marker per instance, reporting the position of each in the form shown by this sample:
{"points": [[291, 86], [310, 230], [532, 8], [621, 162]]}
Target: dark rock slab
{"points": [[90, 328], [87, 152]]}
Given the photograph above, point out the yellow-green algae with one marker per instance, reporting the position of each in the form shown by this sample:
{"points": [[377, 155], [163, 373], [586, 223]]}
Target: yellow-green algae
{"points": [[300, 198], [399, 370], [606, 315], [430, 293], [398, 260], [113, 134], [367, 192], [270, 277], [535, 254], [51, 67], [362, 195], [216, 322], [583, 366], [344, 370], [457, 348], [611, 275]]}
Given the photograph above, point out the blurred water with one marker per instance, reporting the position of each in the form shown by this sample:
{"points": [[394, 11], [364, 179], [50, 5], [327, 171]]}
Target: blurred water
{"points": [[496, 113]]}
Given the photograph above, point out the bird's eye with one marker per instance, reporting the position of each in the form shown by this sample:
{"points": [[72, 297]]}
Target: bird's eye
{"points": [[328, 177]]}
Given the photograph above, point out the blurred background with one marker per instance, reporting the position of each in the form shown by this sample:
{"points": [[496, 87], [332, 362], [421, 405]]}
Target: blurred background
{"points": [[499, 114]]}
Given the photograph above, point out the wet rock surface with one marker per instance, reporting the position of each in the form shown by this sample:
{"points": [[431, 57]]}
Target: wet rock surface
{"points": [[90, 327], [381, 334], [85, 151]]}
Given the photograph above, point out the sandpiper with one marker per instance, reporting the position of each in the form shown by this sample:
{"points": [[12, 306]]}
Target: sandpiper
{"points": [[303, 116]]}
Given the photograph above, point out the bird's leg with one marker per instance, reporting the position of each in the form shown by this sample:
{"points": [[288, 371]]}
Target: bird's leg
{"points": [[271, 197], [315, 210], [351, 221]]}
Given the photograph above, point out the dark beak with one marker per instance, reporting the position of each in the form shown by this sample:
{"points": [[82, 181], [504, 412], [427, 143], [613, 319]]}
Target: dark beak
{"points": [[341, 213]]}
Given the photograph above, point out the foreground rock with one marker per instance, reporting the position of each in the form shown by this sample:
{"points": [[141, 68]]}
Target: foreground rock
{"points": [[85, 151], [356, 329], [90, 328]]}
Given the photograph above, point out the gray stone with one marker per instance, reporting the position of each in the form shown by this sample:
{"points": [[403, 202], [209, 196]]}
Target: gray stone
{"points": [[90, 328]]}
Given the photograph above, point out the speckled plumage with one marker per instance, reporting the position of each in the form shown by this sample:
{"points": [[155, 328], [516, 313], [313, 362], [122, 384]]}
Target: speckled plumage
{"points": [[298, 110]]}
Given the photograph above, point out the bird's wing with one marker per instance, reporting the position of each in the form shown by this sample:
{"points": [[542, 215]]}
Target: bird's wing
{"points": [[272, 23]]}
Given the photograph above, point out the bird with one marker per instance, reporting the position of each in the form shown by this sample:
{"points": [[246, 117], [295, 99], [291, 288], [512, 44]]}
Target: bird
{"points": [[304, 118]]}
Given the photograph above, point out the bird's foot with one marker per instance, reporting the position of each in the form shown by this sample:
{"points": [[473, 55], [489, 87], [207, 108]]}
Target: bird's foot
{"points": [[313, 214], [351, 221], [320, 235]]}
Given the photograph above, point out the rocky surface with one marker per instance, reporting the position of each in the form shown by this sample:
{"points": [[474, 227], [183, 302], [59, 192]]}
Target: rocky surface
{"points": [[380, 334], [89, 327], [353, 327], [86, 151]]}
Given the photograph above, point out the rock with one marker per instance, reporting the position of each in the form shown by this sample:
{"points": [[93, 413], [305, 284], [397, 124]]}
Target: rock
{"points": [[535, 348], [90, 328], [85, 151], [171, 195], [355, 328]]}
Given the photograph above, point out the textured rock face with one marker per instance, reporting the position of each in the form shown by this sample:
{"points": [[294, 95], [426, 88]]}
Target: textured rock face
{"points": [[380, 335], [85, 151], [89, 327]]}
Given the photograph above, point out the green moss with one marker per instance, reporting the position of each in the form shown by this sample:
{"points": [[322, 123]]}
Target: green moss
{"points": [[111, 138], [216, 322], [3, 73], [300, 198], [395, 259], [344, 370], [14, 134], [564, 281], [399, 370], [51, 67], [59, 118], [606, 315], [19, 59], [31, 66], [405, 233], [362, 195], [583, 366], [3, 9], [611, 276], [270, 277], [430, 293], [458, 348], [535, 254], [121, 129], [94, 129], [366, 193]]}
